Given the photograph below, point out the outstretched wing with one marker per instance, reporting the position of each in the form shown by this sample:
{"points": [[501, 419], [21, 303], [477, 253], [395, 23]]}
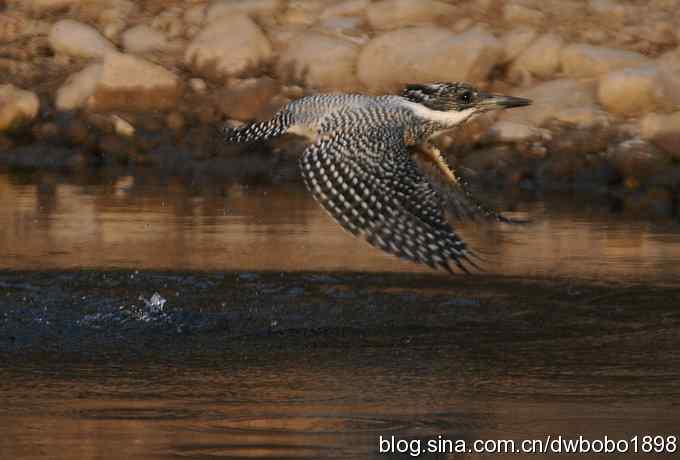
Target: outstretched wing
{"points": [[258, 130], [367, 180]]}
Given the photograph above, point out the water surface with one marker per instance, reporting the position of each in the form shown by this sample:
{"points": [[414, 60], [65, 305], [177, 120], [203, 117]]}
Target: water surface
{"points": [[283, 337], [152, 223]]}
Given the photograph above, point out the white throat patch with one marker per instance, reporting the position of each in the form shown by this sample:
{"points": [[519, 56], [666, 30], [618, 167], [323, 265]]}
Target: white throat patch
{"points": [[449, 119]]}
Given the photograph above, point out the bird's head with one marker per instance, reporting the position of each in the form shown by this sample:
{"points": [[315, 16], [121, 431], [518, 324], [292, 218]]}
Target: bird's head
{"points": [[459, 98]]}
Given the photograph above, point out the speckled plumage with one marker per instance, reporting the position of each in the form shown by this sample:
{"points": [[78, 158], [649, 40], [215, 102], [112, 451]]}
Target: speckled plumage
{"points": [[365, 166]]}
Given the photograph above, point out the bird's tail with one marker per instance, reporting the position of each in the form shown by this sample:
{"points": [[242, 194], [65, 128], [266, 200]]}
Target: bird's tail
{"points": [[256, 131]]}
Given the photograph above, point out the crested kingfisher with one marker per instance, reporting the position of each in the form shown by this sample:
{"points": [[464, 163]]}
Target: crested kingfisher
{"points": [[371, 164]]}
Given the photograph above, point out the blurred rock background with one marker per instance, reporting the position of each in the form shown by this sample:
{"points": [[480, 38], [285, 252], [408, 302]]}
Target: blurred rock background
{"points": [[121, 82]]}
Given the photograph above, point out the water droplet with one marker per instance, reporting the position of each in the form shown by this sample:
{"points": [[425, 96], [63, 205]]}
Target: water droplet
{"points": [[155, 303]]}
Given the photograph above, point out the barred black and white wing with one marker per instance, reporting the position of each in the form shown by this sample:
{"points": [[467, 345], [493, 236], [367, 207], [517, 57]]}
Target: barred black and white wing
{"points": [[457, 198], [367, 180], [257, 131]]}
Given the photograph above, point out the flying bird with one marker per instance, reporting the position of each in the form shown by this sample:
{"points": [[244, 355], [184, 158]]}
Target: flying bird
{"points": [[371, 164]]}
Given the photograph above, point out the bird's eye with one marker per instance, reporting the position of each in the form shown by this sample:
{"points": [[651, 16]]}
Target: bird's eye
{"points": [[465, 97]]}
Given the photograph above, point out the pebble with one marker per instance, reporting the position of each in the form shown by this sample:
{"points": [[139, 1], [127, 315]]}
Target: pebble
{"points": [[254, 8], [198, 85], [668, 66], [663, 130], [516, 13], [550, 98], [129, 82], [175, 121], [17, 107], [629, 91], [352, 8], [77, 39], [426, 54], [582, 60], [516, 41], [510, 132], [78, 88], [391, 14], [320, 61], [542, 57], [170, 23], [122, 126], [143, 38], [228, 46]]}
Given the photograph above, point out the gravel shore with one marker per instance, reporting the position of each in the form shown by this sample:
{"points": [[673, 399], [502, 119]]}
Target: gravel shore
{"points": [[145, 83]]}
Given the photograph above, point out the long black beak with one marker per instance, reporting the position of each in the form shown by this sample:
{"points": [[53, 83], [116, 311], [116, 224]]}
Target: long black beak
{"points": [[498, 101]]}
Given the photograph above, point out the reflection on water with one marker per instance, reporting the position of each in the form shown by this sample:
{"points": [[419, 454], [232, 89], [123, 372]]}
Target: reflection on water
{"points": [[257, 364], [144, 223], [319, 401]]}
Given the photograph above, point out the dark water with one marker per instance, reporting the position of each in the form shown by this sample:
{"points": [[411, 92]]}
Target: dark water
{"points": [[280, 336]]}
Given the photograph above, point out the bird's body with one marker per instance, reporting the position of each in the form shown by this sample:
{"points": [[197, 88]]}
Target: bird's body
{"points": [[372, 167]]}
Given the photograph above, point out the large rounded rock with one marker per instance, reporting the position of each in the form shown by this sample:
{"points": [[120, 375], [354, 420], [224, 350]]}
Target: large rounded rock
{"points": [[43, 6], [541, 58], [510, 132], [256, 8], [581, 60], [659, 32], [517, 13], [629, 91], [143, 39], [320, 61], [550, 100], [516, 41], [228, 46], [280, 36], [16, 106], [346, 8], [425, 54], [587, 116], [169, 22], [303, 12], [669, 78], [569, 13], [194, 16], [128, 82], [74, 38], [390, 14], [663, 131], [75, 92], [611, 10]]}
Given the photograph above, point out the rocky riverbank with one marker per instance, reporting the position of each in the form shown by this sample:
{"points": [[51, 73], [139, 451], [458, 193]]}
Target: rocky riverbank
{"points": [[146, 83]]}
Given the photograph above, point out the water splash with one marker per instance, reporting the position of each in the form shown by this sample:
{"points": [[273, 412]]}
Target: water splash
{"points": [[153, 314], [152, 311], [155, 303]]}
